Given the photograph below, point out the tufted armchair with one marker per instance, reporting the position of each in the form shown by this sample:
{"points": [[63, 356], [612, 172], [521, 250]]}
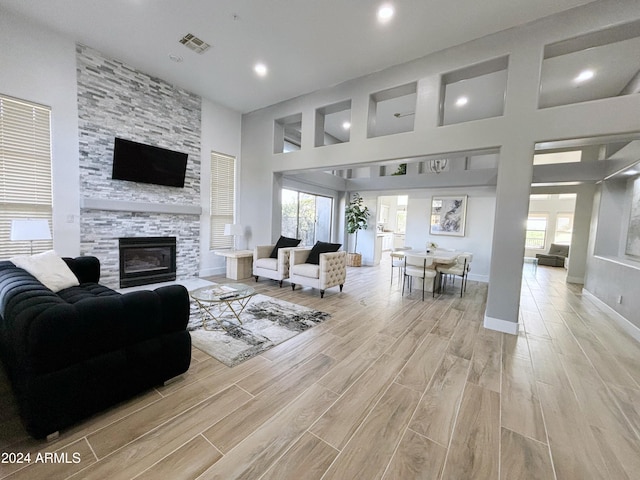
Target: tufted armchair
{"points": [[331, 270], [274, 268]]}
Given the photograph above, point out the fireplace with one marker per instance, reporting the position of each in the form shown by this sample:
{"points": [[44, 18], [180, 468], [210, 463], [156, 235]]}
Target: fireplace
{"points": [[145, 260]]}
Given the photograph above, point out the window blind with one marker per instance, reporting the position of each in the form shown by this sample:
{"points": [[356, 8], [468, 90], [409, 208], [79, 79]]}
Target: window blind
{"points": [[25, 171], [222, 199]]}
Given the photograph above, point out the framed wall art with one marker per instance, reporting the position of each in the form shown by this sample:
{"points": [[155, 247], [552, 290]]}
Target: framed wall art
{"points": [[448, 215], [633, 232]]}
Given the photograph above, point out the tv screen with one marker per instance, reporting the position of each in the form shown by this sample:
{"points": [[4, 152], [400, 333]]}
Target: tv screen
{"points": [[142, 163]]}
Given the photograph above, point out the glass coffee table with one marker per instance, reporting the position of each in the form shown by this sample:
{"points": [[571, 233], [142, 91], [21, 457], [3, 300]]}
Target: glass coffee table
{"points": [[216, 300]]}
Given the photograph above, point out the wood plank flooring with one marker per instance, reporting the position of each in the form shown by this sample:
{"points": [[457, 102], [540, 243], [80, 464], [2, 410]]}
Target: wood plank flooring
{"points": [[389, 388]]}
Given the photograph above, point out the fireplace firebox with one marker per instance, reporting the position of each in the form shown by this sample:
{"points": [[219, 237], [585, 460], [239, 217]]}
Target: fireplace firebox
{"points": [[145, 260]]}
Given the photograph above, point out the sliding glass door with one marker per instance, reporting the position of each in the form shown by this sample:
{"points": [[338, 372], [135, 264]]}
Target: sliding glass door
{"points": [[306, 216]]}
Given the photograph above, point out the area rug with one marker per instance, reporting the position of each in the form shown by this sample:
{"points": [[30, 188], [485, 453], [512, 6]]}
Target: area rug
{"points": [[266, 322]]}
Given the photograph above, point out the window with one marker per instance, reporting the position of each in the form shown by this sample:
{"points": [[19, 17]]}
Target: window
{"points": [[564, 228], [306, 216], [536, 231], [223, 175], [25, 171]]}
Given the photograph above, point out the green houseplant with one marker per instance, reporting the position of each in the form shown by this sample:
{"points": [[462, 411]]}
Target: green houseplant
{"points": [[357, 214]]}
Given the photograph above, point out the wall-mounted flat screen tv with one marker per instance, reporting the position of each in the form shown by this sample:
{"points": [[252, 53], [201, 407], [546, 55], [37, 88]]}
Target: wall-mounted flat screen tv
{"points": [[142, 163]]}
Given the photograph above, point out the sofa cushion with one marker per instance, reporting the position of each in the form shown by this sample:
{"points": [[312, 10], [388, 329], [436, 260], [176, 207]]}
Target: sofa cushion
{"points": [[308, 270], [85, 290], [562, 250], [321, 247], [267, 263], [282, 243], [49, 269]]}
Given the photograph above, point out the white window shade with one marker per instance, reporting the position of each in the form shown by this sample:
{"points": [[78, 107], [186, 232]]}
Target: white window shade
{"points": [[222, 199], [25, 171]]}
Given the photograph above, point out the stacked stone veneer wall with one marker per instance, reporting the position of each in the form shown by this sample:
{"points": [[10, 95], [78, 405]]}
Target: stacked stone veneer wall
{"points": [[115, 100]]}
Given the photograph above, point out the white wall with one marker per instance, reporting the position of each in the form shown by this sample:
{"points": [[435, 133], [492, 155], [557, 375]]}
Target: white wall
{"points": [[40, 66], [220, 134], [515, 133], [613, 276]]}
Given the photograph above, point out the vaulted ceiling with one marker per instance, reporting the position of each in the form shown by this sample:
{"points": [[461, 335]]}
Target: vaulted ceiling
{"points": [[306, 45]]}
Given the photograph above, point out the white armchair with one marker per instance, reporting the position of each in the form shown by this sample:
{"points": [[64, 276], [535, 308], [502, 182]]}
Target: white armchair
{"points": [[273, 268], [331, 270]]}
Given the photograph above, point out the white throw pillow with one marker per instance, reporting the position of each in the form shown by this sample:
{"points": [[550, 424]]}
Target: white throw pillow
{"points": [[48, 268]]}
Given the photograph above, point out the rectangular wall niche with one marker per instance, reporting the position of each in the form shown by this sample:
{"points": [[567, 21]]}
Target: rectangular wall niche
{"points": [[287, 134], [333, 124], [474, 92], [392, 111], [601, 64]]}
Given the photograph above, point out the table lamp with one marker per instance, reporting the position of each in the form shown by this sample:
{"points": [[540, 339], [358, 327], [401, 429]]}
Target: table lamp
{"points": [[234, 229], [30, 229]]}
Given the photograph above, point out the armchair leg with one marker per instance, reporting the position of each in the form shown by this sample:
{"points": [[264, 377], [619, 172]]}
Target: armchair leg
{"points": [[293, 286], [321, 293], [341, 285], [256, 277], [281, 283]]}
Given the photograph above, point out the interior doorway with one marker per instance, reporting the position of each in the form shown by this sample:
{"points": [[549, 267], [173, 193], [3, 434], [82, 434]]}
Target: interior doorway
{"points": [[391, 221]]}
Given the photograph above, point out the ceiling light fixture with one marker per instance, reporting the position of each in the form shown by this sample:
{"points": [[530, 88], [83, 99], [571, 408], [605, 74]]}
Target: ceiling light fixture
{"points": [[437, 165], [260, 69], [385, 13], [462, 101], [346, 125], [584, 76], [175, 58]]}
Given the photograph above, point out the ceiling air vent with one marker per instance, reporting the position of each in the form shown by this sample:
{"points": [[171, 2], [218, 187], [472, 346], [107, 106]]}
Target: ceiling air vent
{"points": [[194, 43]]}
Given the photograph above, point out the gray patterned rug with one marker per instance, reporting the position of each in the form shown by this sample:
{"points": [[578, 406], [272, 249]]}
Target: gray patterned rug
{"points": [[266, 322]]}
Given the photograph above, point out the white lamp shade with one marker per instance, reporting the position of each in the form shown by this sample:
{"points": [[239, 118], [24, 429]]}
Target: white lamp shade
{"points": [[30, 229], [234, 229]]}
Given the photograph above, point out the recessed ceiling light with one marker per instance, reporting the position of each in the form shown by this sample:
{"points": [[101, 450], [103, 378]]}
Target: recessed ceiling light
{"points": [[584, 76], [346, 125], [260, 69], [385, 13], [462, 101], [175, 58]]}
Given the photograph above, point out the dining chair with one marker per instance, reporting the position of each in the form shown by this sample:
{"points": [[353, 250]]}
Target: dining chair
{"points": [[397, 260], [459, 269], [415, 266]]}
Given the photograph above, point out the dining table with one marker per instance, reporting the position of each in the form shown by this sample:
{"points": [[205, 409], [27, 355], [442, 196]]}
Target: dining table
{"points": [[440, 257]]}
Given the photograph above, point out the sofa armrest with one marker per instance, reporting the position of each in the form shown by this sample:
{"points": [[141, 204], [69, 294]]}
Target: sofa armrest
{"points": [[284, 259], [333, 268], [298, 256], [87, 269]]}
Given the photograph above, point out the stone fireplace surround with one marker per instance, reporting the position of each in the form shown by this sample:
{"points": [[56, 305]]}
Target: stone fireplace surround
{"points": [[116, 100], [104, 222]]}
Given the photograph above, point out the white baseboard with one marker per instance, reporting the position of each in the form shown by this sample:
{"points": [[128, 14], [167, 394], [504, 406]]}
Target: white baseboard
{"points": [[500, 325], [478, 278], [210, 272], [625, 324], [578, 280]]}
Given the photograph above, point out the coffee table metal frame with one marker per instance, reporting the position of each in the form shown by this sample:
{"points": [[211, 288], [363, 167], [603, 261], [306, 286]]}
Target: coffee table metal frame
{"points": [[228, 297]]}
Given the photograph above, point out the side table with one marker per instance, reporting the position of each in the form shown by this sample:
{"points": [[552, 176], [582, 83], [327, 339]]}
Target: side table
{"points": [[239, 263]]}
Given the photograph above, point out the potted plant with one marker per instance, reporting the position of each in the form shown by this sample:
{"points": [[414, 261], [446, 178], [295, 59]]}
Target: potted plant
{"points": [[357, 214]]}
